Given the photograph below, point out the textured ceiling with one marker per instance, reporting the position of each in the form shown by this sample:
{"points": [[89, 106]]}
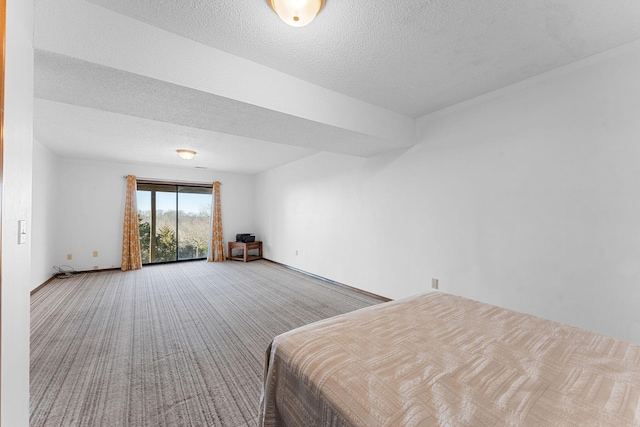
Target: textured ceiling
{"points": [[409, 56], [76, 82], [80, 132], [105, 80]]}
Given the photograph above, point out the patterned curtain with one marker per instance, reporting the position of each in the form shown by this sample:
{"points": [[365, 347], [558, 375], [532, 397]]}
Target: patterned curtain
{"points": [[216, 246], [131, 258]]}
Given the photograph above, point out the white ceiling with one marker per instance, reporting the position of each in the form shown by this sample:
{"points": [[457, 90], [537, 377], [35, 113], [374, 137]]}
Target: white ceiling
{"points": [[230, 80]]}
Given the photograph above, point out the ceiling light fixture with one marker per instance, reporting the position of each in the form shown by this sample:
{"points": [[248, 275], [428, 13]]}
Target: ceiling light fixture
{"points": [[297, 13], [186, 154]]}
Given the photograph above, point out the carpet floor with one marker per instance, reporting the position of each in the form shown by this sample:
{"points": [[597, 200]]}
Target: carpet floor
{"points": [[169, 345]]}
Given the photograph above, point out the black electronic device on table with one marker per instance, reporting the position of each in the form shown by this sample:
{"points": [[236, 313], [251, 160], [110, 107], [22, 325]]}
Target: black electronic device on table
{"points": [[245, 238]]}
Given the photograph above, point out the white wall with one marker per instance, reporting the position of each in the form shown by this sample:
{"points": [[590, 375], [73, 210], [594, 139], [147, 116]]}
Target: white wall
{"points": [[16, 205], [90, 207], [44, 224], [525, 198]]}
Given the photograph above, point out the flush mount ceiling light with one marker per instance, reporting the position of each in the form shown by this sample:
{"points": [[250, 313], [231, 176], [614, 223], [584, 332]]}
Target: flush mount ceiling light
{"points": [[297, 13], [186, 154]]}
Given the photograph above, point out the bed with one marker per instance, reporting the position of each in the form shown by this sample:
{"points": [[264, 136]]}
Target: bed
{"points": [[439, 359]]}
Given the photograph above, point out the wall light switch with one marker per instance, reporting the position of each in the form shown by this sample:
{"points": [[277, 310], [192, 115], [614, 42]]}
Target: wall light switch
{"points": [[22, 231]]}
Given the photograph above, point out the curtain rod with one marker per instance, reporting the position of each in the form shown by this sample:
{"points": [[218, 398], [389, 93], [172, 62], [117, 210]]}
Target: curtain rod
{"points": [[159, 181]]}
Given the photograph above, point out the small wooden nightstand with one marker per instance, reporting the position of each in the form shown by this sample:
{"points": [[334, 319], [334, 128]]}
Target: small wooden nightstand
{"points": [[246, 247]]}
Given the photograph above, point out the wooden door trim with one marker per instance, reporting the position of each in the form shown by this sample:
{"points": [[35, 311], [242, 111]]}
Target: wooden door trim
{"points": [[3, 35]]}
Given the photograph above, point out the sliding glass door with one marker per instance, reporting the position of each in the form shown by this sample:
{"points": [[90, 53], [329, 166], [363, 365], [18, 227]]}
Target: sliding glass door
{"points": [[174, 222]]}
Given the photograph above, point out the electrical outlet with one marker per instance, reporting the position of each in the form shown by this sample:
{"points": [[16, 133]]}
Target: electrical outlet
{"points": [[95, 254], [69, 257], [296, 252], [95, 267], [434, 283]]}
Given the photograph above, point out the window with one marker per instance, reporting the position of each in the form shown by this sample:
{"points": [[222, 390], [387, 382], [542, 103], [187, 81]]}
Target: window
{"points": [[178, 217]]}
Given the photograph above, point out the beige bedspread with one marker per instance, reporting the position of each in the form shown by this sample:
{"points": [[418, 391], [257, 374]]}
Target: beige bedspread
{"points": [[438, 359]]}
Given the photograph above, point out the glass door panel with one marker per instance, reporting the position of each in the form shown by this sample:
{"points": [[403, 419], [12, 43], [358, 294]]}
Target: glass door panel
{"points": [[178, 217], [144, 224], [166, 230], [194, 222]]}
